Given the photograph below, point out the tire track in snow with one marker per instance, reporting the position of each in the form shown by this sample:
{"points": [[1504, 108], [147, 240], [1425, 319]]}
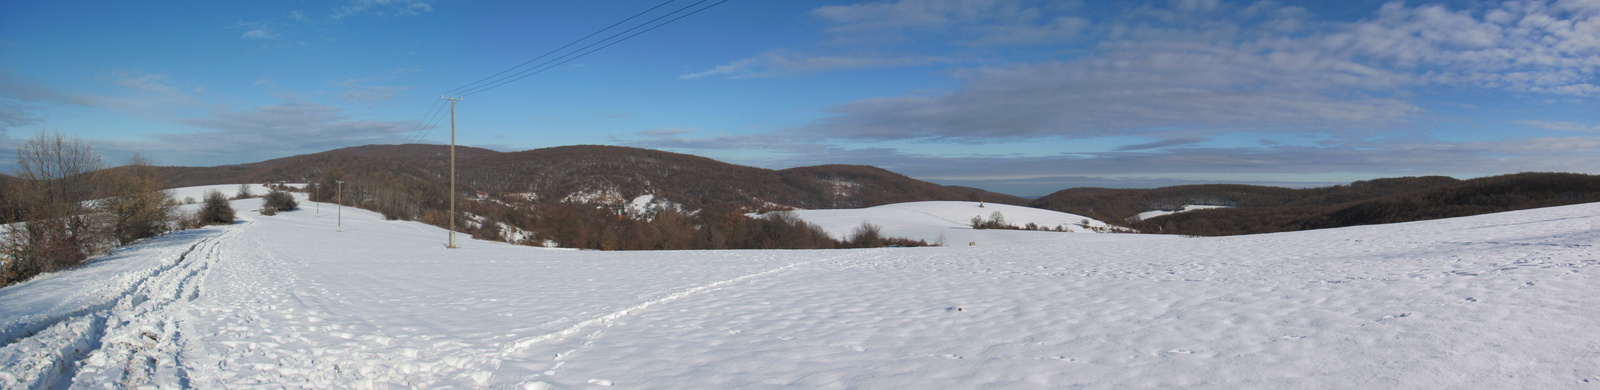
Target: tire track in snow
{"points": [[107, 341], [20, 330], [525, 343]]}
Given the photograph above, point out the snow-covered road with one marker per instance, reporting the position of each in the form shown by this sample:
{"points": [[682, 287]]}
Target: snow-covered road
{"points": [[1498, 301]]}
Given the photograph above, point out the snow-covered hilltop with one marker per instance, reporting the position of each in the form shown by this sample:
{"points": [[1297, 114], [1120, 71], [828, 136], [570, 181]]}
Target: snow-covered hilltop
{"points": [[1493, 301], [950, 222], [1157, 213]]}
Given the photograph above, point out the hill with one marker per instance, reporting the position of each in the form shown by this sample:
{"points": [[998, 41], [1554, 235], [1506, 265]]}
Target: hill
{"points": [[1256, 209], [599, 197], [607, 175], [1118, 205]]}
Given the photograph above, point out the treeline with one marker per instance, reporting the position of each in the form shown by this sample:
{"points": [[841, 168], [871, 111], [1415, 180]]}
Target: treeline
{"points": [[1458, 199], [65, 206], [1118, 205], [408, 196]]}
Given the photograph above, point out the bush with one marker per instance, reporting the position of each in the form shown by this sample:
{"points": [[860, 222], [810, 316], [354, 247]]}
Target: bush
{"points": [[244, 192], [865, 236], [279, 201], [995, 221], [215, 210], [133, 202]]}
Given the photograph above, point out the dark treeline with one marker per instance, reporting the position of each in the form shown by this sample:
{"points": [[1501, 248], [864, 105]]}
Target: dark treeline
{"points": [[1445, 200], [400, 195], [1117, 205]]}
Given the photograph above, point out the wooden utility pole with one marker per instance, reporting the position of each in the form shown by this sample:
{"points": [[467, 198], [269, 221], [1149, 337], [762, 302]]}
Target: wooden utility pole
{"points": [[340, 200], [453, 101]]}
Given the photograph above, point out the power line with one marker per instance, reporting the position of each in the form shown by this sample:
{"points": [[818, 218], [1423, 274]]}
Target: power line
{"points": [[563, 47], [412, 135], [547, 65], [434, 125], [425, 126]]}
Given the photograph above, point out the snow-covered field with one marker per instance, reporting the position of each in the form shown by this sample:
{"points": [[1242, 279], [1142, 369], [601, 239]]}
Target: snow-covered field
{"points": [[1507, 300], [1157, 213], [198, 193], [952, 221]]}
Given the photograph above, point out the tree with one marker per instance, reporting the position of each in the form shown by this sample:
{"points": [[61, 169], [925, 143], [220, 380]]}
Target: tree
{"points": [[866, 236], [216, 210], [133, 202], [244, 192], [279, 201], [57, 231]]}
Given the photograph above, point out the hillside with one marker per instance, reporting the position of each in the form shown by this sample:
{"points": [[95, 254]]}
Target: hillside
{"points": [[594, 197], [411, 158], [1118, 205], [950, 223], [608, 175], [1254, 210]]}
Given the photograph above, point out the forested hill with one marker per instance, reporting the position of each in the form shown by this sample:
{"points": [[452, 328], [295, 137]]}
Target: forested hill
{"points": [[597, 174], [1257, 209]]}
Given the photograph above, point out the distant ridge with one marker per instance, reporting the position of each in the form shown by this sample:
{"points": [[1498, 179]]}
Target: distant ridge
{"points": [[604, 174], [1261, 209]]}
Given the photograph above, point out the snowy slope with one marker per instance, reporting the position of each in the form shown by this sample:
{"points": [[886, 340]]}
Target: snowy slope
{"points": [[1157, 213], [1494, 301], [928, 221], [199, 192]]}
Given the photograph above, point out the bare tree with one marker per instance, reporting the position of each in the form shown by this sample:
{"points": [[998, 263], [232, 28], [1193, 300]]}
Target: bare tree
{"points": [[133, 202], [57, 231]]}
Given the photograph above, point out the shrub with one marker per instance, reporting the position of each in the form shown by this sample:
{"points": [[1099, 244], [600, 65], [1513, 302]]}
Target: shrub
{"points": [[865, 236], [244, 192], [215, 210], [133, 202], [279, 200], [995, 221]]}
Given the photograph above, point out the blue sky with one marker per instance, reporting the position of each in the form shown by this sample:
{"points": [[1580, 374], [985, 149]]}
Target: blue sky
{"points": [[1023, 97]]}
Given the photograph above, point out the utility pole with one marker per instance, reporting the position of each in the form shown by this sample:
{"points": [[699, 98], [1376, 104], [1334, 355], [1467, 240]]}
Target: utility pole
{"points": [[453, 101], [314, 199], [340, 200]]}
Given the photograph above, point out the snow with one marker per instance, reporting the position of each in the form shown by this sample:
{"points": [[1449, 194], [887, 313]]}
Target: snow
{"points": [[229, 190], [1495, 301], [645, 207], [1157, 213], [929, 221], [606, 196]]}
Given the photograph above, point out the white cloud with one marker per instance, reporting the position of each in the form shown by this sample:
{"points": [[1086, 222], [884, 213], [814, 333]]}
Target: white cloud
{"points": [[259, 34], [1169, 87], [1517, 46], [372, 94], [382, 7], [238, 136], [1201, 68], [972, 22], [782, 62], [1559, 125]]}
